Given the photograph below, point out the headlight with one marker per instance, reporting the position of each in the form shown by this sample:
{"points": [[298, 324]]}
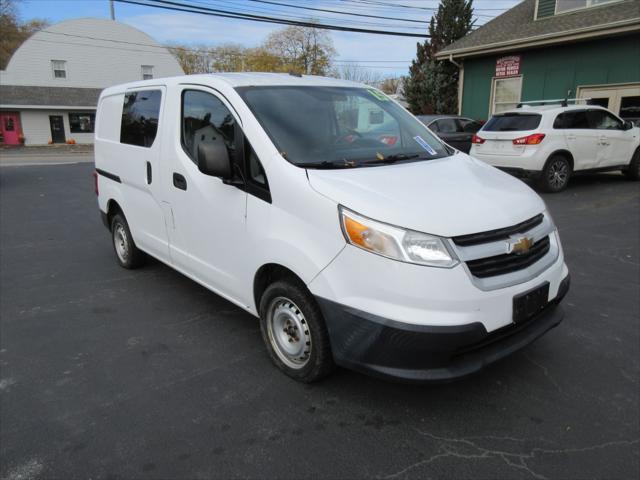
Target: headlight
{"points": [[394, 242]]}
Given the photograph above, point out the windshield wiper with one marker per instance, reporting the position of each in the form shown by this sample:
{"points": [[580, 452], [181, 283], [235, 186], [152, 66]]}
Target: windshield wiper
{"points": [[393, 158], [328, 165]]}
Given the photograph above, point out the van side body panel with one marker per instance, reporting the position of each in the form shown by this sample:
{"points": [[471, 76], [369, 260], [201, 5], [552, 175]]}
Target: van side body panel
{"points": [[216, 234], [139, 199]]}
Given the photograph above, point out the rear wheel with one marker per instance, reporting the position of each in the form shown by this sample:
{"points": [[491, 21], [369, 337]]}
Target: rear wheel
{"points": [[294, 331], [633, 170], [127, 254], [555, 175]]}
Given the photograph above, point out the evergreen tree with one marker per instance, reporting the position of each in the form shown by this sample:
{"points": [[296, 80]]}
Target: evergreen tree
{"points": [[432, 85]]}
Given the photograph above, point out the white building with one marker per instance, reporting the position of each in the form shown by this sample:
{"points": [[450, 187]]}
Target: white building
{"points": [[49, 91]]}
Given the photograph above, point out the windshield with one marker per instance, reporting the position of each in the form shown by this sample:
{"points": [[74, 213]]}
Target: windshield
{"points": [[335, 127]]}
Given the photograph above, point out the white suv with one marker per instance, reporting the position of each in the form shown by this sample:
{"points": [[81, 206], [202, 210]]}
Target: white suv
{"points": [[551, 142]]}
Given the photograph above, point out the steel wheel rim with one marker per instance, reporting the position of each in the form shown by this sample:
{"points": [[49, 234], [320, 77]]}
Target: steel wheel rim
{"points": [[120, 242], [288, 333], [558, 174]]}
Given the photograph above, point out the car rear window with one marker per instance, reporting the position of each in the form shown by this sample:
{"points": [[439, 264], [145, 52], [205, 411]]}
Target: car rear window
{"points": [[512, 122]]}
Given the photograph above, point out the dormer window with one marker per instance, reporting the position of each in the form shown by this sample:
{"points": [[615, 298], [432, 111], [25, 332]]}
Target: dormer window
{"points": [[59, 68], [569, 5], [147, 72]]}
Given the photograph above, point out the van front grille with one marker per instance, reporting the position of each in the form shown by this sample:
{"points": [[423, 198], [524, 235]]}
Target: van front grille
{"points": [[499, 234], [508, 262]]}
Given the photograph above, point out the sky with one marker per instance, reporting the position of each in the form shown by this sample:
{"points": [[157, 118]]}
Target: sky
{"points": [[384, 55]]}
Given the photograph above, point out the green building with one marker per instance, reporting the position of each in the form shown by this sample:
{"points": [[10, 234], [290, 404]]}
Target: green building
{"points": [[551, 49]]}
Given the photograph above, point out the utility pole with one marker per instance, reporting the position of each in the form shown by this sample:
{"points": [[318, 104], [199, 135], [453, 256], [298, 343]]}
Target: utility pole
{"points": [[112, 10]]}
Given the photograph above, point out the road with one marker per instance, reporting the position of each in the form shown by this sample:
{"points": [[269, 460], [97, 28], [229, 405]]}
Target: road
{"points": [[36, 156], [108, 373]]}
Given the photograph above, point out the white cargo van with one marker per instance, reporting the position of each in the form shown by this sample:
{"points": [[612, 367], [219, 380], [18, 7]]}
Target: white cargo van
{"points": [[358, 239]]}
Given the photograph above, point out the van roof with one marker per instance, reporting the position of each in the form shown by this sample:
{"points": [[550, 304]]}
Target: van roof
{"points": [[244, 79]]}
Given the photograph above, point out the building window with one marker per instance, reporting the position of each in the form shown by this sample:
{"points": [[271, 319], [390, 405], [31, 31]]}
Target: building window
{"points": [[59, 68], [82, 122], [568, 5], [147, 72], [505, 94]]}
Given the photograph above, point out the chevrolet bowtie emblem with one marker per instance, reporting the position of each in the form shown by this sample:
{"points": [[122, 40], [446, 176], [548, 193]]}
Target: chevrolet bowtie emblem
{"points": [[520, 244]]}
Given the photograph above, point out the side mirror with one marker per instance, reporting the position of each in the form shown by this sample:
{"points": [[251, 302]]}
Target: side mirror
{"points": [[213, 158], [627, 125]]}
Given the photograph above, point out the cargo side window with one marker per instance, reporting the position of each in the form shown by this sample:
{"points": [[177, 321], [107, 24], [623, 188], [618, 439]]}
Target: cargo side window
{"points": [[140, 115], [206, 119]]}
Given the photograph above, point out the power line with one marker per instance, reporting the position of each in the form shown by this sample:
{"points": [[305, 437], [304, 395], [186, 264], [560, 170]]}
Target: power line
{"points": [[286, 15], [181, 7], [227, 54], [369, 3], [337, 11], [289, 5], [400, 5]]}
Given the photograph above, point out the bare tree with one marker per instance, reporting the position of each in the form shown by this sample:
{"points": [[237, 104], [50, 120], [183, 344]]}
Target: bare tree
{"points": [[302, 49], [357, 73], [291, 49], [391, 85]]}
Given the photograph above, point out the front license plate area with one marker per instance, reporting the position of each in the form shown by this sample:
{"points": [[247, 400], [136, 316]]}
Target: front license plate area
{"points": [[529, 304]]}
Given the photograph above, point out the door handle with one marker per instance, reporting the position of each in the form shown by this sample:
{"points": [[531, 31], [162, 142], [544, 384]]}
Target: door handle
{"points": [[571, 137], [179, 181], [149, 174]]}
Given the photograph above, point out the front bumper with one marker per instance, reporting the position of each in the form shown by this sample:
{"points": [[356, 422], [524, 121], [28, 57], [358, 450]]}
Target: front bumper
{"points": [[423, 353]]}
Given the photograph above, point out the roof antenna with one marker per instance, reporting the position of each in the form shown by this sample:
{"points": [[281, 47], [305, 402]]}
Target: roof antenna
{"points": [[112, 10]]}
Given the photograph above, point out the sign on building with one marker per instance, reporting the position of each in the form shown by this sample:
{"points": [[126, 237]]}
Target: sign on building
{"points": [[508, 66]]}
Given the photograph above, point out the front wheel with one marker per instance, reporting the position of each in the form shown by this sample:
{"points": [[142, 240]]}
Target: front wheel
{"points": [[555, 175], [633, 170], [294, 331]]}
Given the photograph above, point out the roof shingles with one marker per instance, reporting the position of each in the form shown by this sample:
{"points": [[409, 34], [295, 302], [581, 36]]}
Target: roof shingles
{"points": [[48, 96], [518, 24]]}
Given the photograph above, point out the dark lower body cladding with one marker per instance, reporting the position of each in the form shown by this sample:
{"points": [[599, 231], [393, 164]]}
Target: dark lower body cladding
{"points": [[521, 172], [416, 353]]}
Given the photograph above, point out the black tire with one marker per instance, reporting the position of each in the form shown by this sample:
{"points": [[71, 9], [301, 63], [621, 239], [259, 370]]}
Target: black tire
{"points": [[127, 254], [289, 304], [633, 170], [556, 174]]}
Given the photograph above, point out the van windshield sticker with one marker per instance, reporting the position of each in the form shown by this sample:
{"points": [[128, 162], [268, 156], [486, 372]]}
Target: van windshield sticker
{"points": [[420, 141], [379, 95]]}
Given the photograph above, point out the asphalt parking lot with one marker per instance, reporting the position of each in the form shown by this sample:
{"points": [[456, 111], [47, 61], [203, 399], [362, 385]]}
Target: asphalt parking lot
{"points": [[108, 373]]}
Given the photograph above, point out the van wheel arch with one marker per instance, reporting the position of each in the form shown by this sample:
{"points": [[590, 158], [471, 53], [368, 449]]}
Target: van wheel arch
{"points": [[113, 208], [268, 274]]}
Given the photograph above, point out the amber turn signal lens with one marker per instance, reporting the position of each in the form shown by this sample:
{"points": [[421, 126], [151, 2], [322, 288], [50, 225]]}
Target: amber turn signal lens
{"points": [[355, 231]]}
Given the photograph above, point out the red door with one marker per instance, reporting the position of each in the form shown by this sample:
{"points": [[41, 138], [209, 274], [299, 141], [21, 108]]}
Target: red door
{"points": [[10, 125]]}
